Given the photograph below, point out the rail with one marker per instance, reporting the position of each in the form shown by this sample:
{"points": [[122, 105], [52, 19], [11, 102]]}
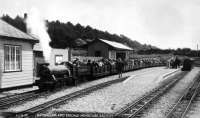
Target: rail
{"points": [[5, 102], [183, 104]]}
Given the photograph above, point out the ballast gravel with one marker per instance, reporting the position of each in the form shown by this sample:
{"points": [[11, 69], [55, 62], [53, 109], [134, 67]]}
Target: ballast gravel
{"points": [[110, 99], [138, 83], [166, 102]]}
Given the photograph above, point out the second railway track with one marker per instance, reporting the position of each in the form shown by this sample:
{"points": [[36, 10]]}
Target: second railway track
{"points": [[183, 105], [135, 109]]}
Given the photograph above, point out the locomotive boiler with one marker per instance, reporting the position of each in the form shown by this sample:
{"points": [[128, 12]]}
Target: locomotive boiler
{"points": [[52, 76]]}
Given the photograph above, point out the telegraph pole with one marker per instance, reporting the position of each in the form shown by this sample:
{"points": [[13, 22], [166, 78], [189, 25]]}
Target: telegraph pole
{"points": [[197, 50]]}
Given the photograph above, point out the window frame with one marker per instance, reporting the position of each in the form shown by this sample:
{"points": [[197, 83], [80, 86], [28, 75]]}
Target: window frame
{"points": [[58, 56], [20, 49]]}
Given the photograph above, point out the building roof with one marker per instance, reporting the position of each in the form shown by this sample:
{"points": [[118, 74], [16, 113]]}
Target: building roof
{"points": [[37, 46], [8, 30], [116, 45]]}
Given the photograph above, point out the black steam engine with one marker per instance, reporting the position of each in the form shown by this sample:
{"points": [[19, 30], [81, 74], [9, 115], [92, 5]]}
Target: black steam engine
{"points": [[52, 77]]}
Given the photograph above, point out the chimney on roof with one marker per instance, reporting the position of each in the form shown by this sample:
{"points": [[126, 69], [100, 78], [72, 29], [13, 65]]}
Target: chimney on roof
{"points": [[28, 30], [25, 16]]}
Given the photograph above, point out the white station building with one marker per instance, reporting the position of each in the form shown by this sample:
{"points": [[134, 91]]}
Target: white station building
{"points": [[16, 57]]}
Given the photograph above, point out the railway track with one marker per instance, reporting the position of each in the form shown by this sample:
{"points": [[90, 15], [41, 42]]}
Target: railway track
{"points": [[7, 101], [194, 108], [184, 103], [32, 112], [135, 109]]}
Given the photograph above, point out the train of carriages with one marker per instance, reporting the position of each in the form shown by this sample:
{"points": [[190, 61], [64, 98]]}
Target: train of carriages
{"points": [[70, 74]]}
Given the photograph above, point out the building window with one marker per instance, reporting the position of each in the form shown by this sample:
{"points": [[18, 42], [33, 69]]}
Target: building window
{"points": [[12, 58], [58, 59]]}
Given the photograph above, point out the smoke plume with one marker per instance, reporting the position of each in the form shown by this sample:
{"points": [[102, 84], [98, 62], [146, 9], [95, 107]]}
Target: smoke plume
{"points": [[36, 26]]}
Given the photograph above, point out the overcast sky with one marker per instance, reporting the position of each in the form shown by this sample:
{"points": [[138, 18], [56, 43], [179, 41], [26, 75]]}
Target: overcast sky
{"points": [[162, 23]]}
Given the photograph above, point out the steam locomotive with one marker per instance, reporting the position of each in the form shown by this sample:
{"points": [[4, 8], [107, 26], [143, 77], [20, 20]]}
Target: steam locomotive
{"points": [[52, 77], [67, 74]]}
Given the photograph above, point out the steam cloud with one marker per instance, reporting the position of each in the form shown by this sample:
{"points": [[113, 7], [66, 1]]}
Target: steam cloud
{"points": [[38, 28]]}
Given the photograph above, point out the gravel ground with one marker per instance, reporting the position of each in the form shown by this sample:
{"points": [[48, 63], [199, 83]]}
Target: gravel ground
{"points": [[116, 96], [161, 107], [63, 92]]}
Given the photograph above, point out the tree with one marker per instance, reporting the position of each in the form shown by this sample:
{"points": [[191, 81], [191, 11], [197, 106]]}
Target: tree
{"points": [[67, 34], [18, 22]]}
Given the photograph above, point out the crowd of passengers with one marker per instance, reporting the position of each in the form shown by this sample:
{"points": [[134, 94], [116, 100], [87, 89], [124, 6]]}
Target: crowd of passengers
{"points": [[174, 62], [110, 62]]}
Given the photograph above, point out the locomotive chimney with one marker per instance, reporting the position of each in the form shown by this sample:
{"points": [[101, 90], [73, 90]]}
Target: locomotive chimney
{"points": [[25, 16]]}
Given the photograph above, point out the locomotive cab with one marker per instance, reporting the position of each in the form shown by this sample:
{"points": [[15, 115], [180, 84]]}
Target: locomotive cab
{"points": [[46, 80]]}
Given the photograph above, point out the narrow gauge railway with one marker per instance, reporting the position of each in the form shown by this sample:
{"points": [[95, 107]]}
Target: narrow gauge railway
{"points": [[135, 109], [7, 101], [194, 107], [183, 105], [37, 109]]}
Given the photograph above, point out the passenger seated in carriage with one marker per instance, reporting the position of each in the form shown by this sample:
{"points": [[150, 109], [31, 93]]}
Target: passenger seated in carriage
{"points": [[177, 62], [76, 62], [89, 63], [174, 62]]}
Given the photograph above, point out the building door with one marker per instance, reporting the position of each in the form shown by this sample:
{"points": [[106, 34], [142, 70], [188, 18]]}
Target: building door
{"points": [[97, 54], [121, 55]]}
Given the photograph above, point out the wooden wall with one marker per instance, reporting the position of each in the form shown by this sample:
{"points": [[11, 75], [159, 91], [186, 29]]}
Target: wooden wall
{"points": [[24, 77], [54, 52], [98, 46]]}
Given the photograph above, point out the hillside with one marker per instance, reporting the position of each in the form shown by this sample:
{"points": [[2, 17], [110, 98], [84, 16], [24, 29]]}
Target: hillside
{"points": [[69, 35]]}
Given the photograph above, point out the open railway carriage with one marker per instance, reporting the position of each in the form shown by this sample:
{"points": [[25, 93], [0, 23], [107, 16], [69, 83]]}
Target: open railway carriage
{"points": [[69, 74], [90, 72], [51, 77]]}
